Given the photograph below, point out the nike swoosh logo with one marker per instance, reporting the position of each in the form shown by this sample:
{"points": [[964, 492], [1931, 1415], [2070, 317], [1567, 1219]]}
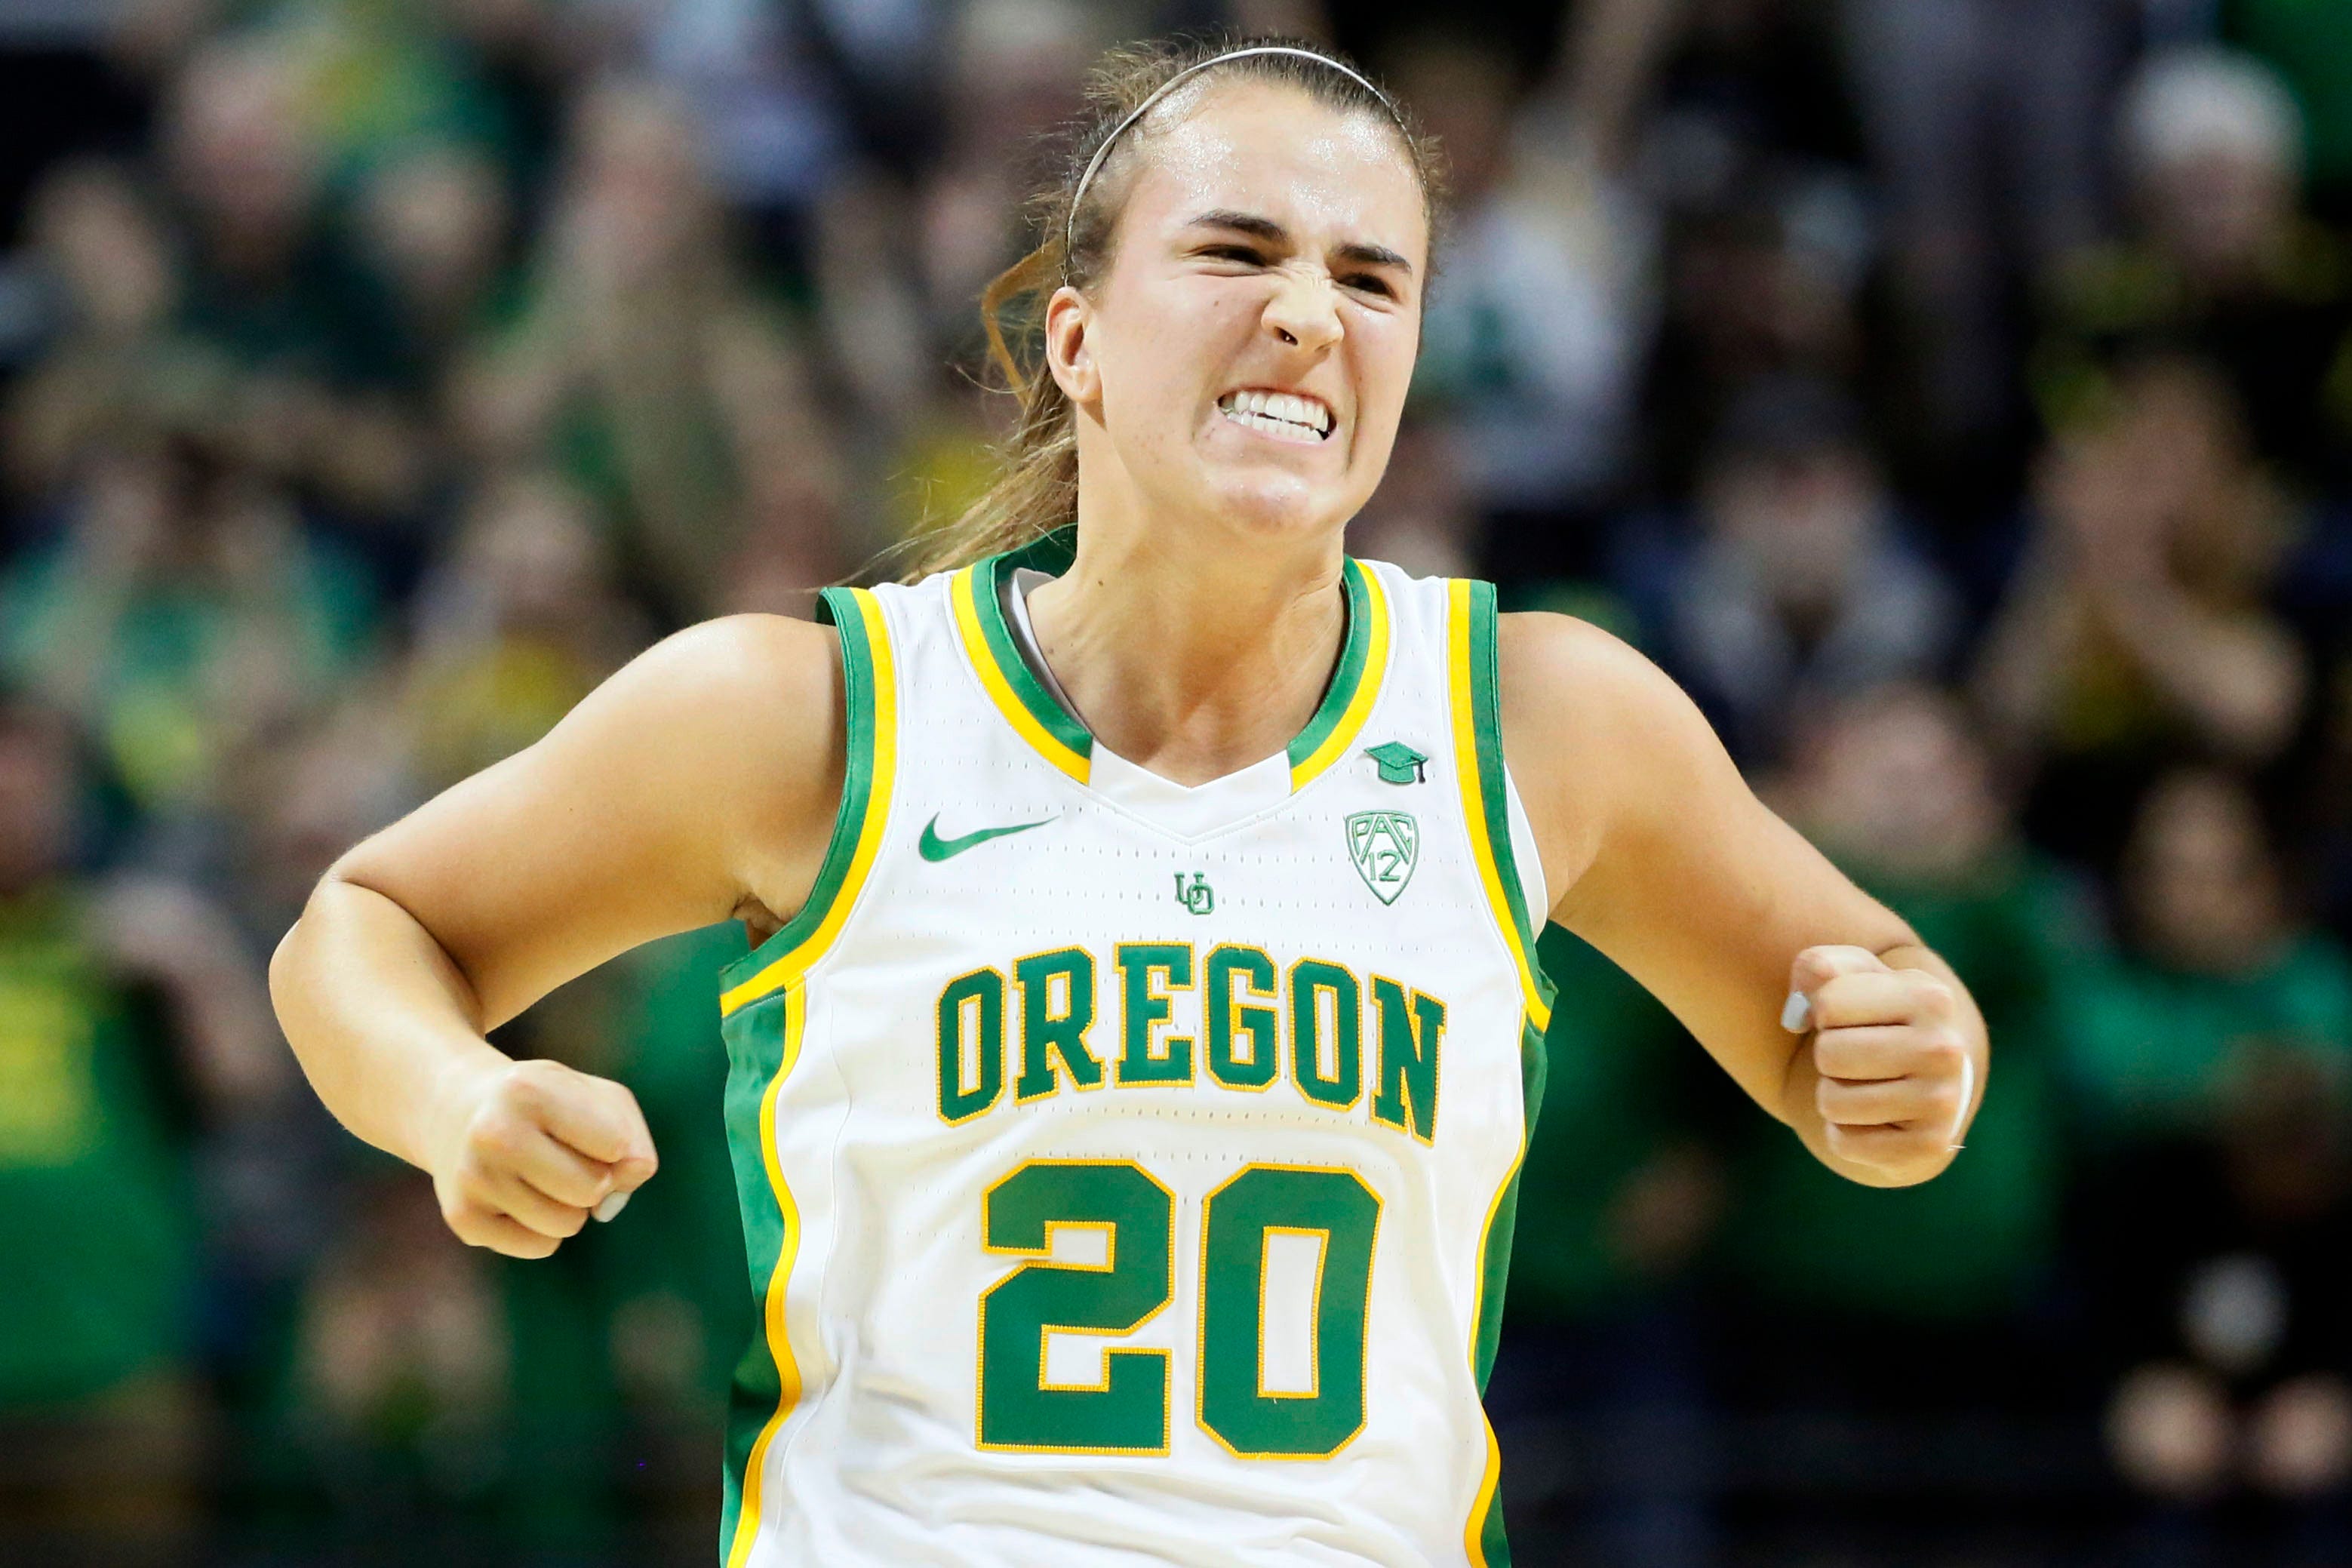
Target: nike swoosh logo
{"points": [[935, 848]]}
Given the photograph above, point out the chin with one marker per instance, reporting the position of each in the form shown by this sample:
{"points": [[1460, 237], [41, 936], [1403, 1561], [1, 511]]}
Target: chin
{"points": [[1279, 507]]}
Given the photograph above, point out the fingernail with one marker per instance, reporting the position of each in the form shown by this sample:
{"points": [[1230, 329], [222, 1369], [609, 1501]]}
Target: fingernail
{"points": [[1797, 1012], [613, 1203]]}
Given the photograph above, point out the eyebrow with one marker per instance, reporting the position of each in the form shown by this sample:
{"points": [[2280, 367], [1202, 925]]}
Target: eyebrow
{"points": [[1360, 252]]}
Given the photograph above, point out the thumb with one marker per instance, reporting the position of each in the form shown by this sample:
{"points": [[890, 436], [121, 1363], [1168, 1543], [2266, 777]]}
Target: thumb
{"points": [[1816, 967], [629, 1172]]}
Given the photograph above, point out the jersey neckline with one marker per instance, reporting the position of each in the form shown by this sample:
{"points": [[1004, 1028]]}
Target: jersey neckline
{"points": [[1056, 733]]}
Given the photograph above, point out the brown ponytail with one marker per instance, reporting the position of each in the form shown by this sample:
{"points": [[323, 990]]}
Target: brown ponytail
{"points": [[1037, 489]]}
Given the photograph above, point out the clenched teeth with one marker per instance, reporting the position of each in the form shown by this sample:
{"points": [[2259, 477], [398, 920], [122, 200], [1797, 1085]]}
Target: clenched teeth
{"points": [[1278, 413]]}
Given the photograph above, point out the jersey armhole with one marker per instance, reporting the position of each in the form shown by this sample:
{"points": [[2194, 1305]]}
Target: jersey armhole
{"points": [[869, 712], [1473, 684]]}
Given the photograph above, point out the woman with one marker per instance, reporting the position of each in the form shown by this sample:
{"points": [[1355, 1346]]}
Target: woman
{"points": [[1060, 874]]}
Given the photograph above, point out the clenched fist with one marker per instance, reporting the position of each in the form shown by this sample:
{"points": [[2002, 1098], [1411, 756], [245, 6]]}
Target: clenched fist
{"points": [[532, 1149], [1897, 1080]]}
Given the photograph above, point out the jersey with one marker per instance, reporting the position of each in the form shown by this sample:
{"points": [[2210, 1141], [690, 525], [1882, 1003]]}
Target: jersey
{"points": [[1128, 1171]]}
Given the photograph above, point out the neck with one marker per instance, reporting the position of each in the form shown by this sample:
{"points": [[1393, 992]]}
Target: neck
{"points": [[1193, 657]]}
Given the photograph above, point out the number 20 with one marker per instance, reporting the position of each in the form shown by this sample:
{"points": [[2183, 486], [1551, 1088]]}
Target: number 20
{"points": [[1126, 1412]]}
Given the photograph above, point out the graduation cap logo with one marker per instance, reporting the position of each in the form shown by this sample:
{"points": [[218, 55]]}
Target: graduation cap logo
{"points": [[1400, 763]]}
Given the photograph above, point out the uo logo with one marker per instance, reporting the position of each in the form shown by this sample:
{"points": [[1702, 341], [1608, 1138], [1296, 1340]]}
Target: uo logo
{"points": [[1195, 896]]}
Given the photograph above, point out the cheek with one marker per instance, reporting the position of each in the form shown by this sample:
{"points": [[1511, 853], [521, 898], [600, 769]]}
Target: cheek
{"points": [[1170, 359], [1385, 364]]}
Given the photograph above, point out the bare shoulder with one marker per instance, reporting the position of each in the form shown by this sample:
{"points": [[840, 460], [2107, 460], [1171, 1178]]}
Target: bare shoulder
{"points": [[742, 712], [1578, 701], [736, 660], [699, 781], [1594, 733]]}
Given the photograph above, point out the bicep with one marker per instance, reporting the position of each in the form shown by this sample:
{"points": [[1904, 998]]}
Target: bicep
{"points": [[1680, 875], [699, 776]]}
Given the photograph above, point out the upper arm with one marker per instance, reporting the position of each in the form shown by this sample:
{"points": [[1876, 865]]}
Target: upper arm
{"points": [[697, 782], [1658, 853]]}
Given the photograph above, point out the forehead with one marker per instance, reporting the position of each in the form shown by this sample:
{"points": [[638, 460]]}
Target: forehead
{"points": [[1272, 150]]}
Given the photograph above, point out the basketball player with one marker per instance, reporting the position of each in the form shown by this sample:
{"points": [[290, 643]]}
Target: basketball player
{"points": [[1129, 1086]]}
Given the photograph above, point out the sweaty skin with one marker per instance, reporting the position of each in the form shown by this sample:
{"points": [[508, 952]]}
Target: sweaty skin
{"points": [[1266, 243]]}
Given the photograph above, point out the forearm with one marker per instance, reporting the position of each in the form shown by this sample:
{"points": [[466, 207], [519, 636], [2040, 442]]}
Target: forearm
{"points": [[1801, 1106], [385, 1025]]}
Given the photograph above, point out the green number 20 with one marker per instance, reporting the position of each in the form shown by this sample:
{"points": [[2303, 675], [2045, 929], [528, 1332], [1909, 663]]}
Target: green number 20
{"points": [[1126, 1410]]}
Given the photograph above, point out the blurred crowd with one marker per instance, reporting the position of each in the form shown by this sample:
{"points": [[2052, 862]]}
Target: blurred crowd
{"points": [[1956, 395]]}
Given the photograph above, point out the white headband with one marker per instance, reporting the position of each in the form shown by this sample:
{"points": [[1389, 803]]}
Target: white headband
{"points": [[1070, 225]]}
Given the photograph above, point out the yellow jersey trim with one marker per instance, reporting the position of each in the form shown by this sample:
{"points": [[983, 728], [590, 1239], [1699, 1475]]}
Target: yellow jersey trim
{"points": [[1474, 801], [786, 969], [964, 594], [1373, 675], [788, 1370]]}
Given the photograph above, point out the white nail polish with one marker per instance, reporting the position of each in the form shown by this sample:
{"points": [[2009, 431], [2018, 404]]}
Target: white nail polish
{"points": [[1797, 1012], [613, 1203], [1967, 1093]]}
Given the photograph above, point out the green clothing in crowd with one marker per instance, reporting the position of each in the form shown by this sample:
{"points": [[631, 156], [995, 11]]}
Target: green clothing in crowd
{"points": [[635, 1328], [2149, 1047], [91, 1183], [1974, 1241], [1618, 1063], [163, 664]]}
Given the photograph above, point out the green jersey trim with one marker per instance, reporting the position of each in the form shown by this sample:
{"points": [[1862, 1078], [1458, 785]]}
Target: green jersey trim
{"points": [[763, 1044], [1474, 677], [870, 720], [1006, 677], [763, 1010], [1484, 1538], [1347, 701], [976, 598]]}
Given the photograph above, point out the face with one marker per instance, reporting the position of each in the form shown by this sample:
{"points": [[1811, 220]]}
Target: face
{"points": [[2202, 883], [1805, 520], [1245, 361], [435, 221], [1898, 782]]}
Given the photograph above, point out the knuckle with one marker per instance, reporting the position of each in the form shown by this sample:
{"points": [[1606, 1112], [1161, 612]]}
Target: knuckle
{"points": [[546, 1075], [493, 1134], [525, 1087], [470, 1183], [500, 1141], [1933, 995]]}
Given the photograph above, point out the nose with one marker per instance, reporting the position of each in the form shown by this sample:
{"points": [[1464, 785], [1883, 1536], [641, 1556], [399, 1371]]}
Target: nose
{"points": [[1303, 311]]}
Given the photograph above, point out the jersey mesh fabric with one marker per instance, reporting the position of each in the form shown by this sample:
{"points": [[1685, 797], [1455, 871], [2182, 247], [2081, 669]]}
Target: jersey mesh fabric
{"points": [[1017, 1198]]}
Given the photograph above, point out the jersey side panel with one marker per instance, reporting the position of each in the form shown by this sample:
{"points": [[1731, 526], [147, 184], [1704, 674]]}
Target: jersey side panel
{"points": [[781, 1177], [1474, 704]]}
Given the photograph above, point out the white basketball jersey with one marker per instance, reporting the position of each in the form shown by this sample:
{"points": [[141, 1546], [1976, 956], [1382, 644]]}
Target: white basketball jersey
{"points": [[1128, 1170]]}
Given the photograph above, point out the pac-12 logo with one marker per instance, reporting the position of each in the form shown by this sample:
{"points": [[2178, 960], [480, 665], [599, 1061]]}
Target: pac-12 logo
{"points": [[1385, 845], [1196, 896]]}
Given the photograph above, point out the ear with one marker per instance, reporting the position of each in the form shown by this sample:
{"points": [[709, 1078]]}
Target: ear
{"points": [[1069, 355]]}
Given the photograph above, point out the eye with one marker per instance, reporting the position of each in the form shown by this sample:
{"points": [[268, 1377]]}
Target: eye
{"points": [[1243, 253], [1371, 283]]}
